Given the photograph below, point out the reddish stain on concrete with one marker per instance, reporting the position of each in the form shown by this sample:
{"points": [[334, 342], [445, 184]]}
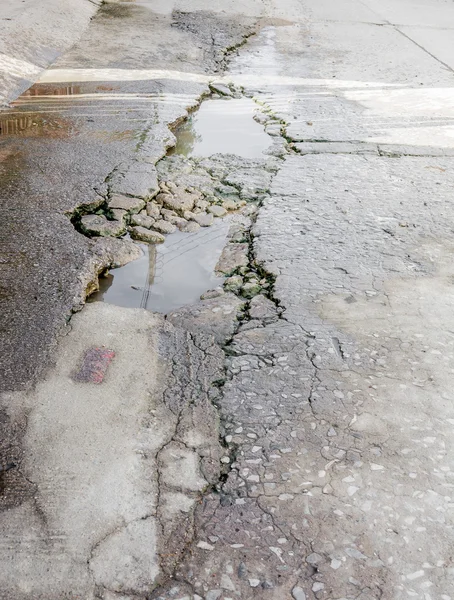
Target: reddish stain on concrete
{"points": [[94, 365]]}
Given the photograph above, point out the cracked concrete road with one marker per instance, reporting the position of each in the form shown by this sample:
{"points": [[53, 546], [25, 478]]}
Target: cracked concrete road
{"points": [[309, 454]]}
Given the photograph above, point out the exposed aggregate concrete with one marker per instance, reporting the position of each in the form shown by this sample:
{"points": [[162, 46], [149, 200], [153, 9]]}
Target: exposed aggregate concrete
{"points": [[333, 476]]}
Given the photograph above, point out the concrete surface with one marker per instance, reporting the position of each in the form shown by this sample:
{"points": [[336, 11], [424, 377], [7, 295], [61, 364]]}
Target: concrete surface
{"points": [[84, 509], [64, 151], [312, 458]]}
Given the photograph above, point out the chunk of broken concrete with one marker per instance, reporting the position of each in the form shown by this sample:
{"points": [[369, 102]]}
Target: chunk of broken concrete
{"points": [[251, 289], [163, 226], [146, 235], [142, 221], [99, 225], [221, 89], [216, 316], [188, 226], [166, 213], [153, 210], [127, 203], [139, 179], [177, 198], [118, 214], [203, 219], [230, 204], [115, 252], [263, 309], [178, 221], [212, 294], [234, 283], [232, 258], [217, 211]]}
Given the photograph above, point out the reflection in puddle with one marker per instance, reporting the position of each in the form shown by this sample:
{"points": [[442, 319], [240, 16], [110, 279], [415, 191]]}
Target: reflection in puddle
{"points": [[49, 90], [33, 126], [170, 275], [224, 126]]}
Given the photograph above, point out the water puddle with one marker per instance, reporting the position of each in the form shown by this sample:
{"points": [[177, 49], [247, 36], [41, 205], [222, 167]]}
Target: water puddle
{"points": [[223, 126], [169, 275], [38, 90]]}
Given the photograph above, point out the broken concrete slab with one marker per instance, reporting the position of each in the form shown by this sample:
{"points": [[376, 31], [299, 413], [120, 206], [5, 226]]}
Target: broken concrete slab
{"points": [[142, 221], [138, 179], [232, 258], [263, 309], [217, 211], [216, 316], [128, 203], [115, 457], [100, 225], [146, 235], [164, 226]]}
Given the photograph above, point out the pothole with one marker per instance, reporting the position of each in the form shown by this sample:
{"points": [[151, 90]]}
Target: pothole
{"points": [[206, 190], [223, 126], [169, 275]]}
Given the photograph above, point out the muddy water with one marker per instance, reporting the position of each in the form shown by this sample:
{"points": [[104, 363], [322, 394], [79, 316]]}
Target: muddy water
{"points": [[223, 126], [169, 275]]}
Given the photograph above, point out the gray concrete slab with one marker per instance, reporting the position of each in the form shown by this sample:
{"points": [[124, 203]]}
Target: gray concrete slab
{"points": [[60, 142], [312, 458]]}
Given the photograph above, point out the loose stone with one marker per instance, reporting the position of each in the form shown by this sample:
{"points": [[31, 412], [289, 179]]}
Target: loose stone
{"points": [[142, 221], [242, 570], [145, 235], [217, 211], [153, 210], [298, 593], [205, 546], [99, 225], [203, 219], [133, 205], [188, 226], [234, 283], [250, 289], [164, 226], [233, 256]]}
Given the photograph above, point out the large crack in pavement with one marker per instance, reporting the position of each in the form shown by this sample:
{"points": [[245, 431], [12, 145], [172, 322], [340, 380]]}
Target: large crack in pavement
{"points": [[192, 440]]}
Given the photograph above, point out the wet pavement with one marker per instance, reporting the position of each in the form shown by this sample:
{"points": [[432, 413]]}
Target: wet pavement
{"points": [[60, 148], [289, 437]]}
